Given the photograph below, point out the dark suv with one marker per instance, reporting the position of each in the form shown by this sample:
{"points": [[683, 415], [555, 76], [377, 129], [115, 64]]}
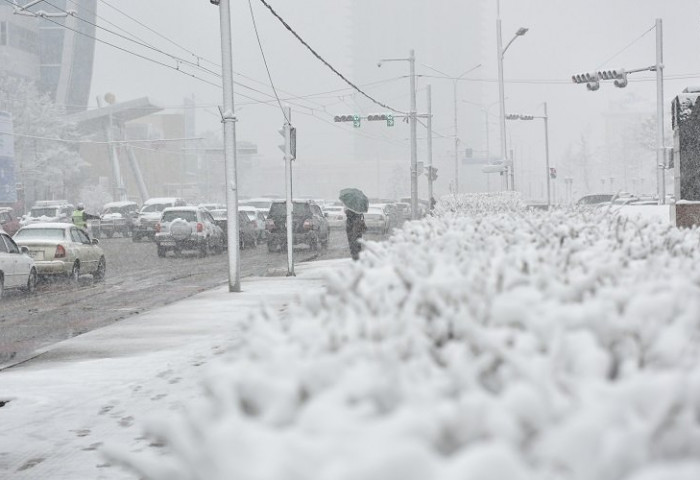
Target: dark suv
{"points": [[309, 225]]}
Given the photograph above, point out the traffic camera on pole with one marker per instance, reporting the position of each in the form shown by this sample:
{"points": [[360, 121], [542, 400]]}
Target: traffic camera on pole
{"points": [[619, 76], [592, 80]]}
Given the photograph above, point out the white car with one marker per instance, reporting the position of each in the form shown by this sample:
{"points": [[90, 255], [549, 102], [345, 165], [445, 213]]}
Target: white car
{"points": [[255, 215], [63, 250], [17, 269], [188, 228], [335, 215], [376, 220]]}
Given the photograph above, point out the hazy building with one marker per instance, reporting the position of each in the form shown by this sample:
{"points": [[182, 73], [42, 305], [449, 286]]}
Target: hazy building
{"points": [[56, 52], [19, 44]]}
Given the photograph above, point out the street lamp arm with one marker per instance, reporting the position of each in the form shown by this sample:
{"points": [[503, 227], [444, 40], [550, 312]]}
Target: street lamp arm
{"points": [[385, 60]]}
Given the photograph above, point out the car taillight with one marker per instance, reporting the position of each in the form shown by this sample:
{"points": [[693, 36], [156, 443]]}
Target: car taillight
{"points": [[60, 252], [269, 224], [200, 227], [157, 227], [308, 225]]}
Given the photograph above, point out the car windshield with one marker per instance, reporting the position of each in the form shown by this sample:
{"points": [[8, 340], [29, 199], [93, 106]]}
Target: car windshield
{"points": [[279, 209], [155, 207], [44, 212], [257, 203], [40, 234], [112, 210], [251, 215], [594, 199], [188, 215], [218, 214]]}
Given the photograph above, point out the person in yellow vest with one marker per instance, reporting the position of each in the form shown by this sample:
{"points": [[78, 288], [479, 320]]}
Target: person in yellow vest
{"points": [[80, 217]]}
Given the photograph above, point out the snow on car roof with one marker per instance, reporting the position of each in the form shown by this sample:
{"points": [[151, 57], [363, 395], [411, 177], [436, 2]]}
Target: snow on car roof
{"points": [[184, 208], [40, 225], [119, 204]]}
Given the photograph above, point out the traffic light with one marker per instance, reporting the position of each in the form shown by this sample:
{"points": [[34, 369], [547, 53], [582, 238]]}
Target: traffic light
{"points": [[215, 2], [591, 80], [389, 120], [293, 142], [376, 116], [343, 118], [432, 173], [356, 121], [552, 173], [620, 77]]}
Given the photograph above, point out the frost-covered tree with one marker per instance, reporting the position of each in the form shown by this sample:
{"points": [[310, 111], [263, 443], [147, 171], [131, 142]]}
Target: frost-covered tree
{"points": [[48, 164]]}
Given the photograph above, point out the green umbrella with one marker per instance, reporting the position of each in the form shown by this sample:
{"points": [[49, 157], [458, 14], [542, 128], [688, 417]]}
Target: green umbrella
{"points": [[354, 200]]}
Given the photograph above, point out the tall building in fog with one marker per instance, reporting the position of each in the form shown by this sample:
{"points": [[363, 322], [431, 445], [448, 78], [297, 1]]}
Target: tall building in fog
{"points": [[55, 52], [445, 36]]}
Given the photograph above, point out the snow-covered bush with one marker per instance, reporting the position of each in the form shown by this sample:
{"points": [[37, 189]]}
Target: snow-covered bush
{"points": [[486, 342]]}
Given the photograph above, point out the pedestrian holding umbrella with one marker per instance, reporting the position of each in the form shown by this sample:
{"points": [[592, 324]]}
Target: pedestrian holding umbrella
{"points": [[356, 203]]}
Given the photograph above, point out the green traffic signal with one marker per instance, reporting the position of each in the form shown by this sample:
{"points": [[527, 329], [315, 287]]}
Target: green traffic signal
{"points": [[389, 120], [355, 120]]}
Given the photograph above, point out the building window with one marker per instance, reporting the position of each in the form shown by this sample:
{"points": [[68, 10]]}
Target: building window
{"points": [[3, 33], [22, 38]]}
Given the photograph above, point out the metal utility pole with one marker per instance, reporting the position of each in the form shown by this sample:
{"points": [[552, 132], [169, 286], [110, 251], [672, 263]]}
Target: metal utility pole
{"points": [[229, 120], [288, 189], [546, 146], [501, 92], [414, 141], [660, 150], [412, 121], [429, 122]]}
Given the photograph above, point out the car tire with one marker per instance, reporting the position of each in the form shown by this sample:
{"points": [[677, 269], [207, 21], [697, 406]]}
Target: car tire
{"points": [[2, 286], [204, 249], [74, 274], [31, 282], [101, 272], [161, 251], [110, 234], [135, 237]]}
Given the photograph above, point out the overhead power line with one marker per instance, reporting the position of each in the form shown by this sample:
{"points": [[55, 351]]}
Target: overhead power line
{"points": [[315, 54]]}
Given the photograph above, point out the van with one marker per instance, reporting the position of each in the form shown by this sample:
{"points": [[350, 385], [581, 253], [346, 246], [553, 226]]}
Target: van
{"points": [[118, 217], [49, 211], [149, 215]]}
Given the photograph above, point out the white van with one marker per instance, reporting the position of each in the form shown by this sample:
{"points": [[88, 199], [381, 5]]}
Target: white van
{"points": [[49, 211], [145, 225]]}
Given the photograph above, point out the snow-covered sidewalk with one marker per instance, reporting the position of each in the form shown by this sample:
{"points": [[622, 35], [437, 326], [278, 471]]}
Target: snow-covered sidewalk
{"points": [[100, 387]]}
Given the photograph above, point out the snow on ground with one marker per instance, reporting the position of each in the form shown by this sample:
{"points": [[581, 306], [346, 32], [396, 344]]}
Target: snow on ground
{"points": [[487, 342]]}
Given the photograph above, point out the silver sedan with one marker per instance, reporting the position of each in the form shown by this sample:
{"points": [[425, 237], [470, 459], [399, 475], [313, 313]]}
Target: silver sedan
{"points": [[63, 250]]}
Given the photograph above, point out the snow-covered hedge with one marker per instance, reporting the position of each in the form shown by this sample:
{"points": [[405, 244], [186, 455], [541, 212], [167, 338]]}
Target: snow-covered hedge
{"points": [[487, 342]]}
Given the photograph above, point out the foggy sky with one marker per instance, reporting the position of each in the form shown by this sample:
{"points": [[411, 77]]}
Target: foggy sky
{"points": [[564, 38]]}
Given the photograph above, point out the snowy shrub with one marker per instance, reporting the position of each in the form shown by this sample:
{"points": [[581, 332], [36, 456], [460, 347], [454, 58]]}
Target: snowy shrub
{"points": [[487, 342]]}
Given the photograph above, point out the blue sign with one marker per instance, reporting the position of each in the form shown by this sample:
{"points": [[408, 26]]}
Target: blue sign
{"points": [[8, 185]]}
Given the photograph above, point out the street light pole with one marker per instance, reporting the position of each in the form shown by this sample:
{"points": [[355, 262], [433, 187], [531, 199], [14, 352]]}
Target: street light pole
{"points": [[546, 146], [456, 127], [430, 145], [660, 162], [501, 88], [229, 120], [414, 144], [545, 117], [412, 121]]}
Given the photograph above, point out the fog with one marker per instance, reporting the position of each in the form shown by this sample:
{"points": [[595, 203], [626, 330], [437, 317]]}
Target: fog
{"points": [[564, 38]]}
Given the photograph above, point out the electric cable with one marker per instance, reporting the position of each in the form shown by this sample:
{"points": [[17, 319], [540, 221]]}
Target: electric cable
{"points": [[267, 68], [319, 57]]}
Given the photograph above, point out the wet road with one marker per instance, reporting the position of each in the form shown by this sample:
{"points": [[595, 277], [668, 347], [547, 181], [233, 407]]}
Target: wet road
{"points": [[137, 281]]}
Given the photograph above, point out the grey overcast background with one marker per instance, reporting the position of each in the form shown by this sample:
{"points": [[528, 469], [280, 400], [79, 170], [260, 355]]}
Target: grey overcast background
{"points": [[564, 38]]}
